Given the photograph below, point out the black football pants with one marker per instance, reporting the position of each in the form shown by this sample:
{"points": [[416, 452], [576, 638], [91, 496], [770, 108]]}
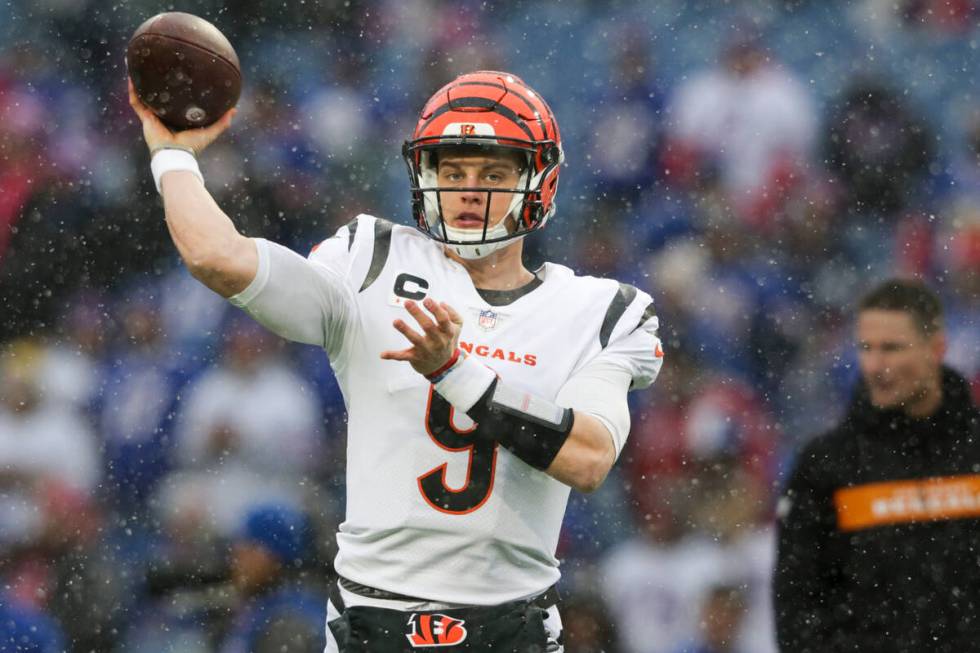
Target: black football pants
{"points": [[515, 627]]}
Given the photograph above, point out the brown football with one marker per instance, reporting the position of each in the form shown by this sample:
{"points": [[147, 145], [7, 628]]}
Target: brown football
{"points": [[184, 69]]}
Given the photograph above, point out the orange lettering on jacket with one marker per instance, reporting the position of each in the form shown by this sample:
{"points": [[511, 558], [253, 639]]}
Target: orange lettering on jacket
{"points": [[898, 502], [484, 351]]}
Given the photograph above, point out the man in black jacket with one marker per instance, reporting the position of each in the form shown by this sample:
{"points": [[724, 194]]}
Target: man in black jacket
{"points": [[879, 528]]}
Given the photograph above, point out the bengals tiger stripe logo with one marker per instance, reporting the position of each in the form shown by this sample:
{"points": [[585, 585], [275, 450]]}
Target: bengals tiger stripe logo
{"points": [[431, 630]]}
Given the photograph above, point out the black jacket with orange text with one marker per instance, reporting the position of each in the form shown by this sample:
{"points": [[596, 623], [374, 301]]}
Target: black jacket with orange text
{"points": [[879, 533]]}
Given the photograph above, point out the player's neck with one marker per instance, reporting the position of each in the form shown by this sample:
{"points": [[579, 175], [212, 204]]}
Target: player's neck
{"points": [[501, 270]]}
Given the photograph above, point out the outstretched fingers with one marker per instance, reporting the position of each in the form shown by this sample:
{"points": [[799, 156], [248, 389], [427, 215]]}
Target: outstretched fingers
{"points": [[399, 355], [456, 318], [413, 337], [435, 344], [443, 320], [420, 316]]}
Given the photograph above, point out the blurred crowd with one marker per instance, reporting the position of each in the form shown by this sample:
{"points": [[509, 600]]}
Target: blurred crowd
{"points": [[171, 476]]}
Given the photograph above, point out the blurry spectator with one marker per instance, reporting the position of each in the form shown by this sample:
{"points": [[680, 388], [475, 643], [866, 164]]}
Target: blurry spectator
{"points": [[657, 446], [749, 121], [940, 18], [812, 395], [878, 147], [958, 246], [191, 317], [22, 164], [626, 129], [654, 582], [956, 251], [727, 421], [462, 41], [881, 512], [43, 447], [139, 400], [337, 117], [605, 251], [279, 611], [706, 294], [73, 370], [715, 416], [732, 508], [587, 627], [249, 429], [67, 239], [66, 571], [964, 164], [256, 592], [49, 521], [709, 482], [26, 630], [721, 617]]}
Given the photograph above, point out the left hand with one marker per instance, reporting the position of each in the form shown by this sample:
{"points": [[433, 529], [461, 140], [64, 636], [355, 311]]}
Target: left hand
{"points": [[432, 348]]}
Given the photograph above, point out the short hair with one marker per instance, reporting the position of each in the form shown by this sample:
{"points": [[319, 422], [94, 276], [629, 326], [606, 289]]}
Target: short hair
{"points": [[909, 296]]}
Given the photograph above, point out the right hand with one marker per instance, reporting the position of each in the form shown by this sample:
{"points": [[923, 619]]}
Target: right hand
{"points": [[158, 135], [432, 348]]}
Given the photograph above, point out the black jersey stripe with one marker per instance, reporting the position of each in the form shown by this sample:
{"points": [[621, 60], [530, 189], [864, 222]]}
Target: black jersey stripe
{"points": [[382, 245], [351, 232], [649, 312], [624, 297]]}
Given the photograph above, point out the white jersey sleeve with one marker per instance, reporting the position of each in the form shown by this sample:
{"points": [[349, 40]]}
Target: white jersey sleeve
{"points": [[305, 300], [630, 358], [631, 342]]}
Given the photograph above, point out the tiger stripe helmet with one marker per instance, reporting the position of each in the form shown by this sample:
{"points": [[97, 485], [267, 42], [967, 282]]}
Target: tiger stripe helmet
{"points": [[496, 110]]}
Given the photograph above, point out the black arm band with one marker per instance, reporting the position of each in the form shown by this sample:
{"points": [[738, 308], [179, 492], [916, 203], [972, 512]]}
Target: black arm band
{"points": [[531, 428]]}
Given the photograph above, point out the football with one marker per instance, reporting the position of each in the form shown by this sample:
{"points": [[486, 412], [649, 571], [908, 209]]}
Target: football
{"points": [[184, 69]]}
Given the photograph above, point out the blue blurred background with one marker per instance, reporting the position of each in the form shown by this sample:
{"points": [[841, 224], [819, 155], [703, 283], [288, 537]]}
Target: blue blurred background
{"points": [[171, 475]]}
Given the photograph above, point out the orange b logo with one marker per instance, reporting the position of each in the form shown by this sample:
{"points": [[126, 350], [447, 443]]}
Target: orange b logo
{"points": [[434, 630]]}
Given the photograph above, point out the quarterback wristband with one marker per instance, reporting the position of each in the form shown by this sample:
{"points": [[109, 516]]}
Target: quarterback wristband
{"points": [[531, 428], [440, 374], [464, 382], [168, 159]]}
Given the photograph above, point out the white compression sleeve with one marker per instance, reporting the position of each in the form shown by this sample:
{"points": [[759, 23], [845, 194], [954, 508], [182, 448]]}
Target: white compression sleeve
{"points": [[296, 298], [599, 389]]}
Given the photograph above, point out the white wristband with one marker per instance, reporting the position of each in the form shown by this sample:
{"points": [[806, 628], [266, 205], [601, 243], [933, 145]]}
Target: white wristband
{"points": [[465, 383], [169, 159]]}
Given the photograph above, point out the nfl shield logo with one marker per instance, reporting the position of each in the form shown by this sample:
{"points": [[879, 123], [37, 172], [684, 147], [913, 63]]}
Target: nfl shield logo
{"points": [[488, 319]]}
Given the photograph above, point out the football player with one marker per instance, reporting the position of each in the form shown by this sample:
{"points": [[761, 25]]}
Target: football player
{"points": [[478, 391]]}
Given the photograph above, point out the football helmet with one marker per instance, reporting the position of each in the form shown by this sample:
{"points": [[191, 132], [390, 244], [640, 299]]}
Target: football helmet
{"points": [[496, 111]]}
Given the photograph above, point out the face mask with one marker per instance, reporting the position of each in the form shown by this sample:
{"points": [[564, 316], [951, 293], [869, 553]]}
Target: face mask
{"points": [[479, 249]]}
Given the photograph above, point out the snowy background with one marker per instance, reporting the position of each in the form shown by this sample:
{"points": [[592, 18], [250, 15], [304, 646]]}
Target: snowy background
{"points": [[756, 166]]}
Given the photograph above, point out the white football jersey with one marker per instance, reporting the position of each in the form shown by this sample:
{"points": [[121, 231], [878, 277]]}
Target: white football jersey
{"points": [[432, 512]]}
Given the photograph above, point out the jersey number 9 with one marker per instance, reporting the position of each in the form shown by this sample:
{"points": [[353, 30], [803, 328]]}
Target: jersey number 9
{"points": [[481, 466]]}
